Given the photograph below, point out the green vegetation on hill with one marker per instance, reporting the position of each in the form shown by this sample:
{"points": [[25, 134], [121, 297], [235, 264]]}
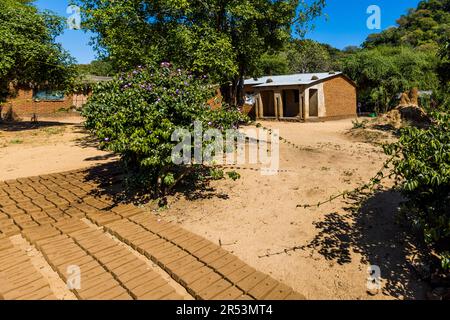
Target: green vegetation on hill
{"points": [[425, 27]]}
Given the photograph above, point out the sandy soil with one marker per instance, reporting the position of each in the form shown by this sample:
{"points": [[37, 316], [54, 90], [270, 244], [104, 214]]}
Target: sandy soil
{"points": [[53, 145], [257, 217]]}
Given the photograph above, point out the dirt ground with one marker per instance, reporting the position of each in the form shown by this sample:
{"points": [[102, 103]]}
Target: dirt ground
{"points": [[52, 145], [256, 217]]}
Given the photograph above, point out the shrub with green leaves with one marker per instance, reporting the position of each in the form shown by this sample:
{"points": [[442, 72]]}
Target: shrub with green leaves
{"points": [[135, 114], [422, 166]]}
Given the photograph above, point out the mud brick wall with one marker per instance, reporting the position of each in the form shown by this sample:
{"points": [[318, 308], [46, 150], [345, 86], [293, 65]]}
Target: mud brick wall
{"points": [[23, 104], [340, 97]]}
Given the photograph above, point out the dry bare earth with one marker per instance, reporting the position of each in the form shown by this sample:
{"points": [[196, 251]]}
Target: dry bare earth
{"points": [[258, 216], [53, 145]]}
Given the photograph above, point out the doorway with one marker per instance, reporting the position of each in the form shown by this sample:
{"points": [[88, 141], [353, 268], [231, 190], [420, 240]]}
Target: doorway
{"points": [[313, 103], [268, 106], [291, 103]]}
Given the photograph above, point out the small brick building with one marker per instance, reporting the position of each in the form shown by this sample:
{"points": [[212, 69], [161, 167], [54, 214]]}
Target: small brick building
{"points": [[26, 101], [302, 97]]}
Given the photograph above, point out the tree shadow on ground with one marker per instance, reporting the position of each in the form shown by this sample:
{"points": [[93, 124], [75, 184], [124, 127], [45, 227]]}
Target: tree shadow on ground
{"points": [[111, 181], [374, 231], [29, 125]]}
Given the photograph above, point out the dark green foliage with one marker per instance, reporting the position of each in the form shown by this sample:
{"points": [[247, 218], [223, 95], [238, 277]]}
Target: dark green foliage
{"points": [[233, 175], [28, 52], [424, 27], [384, 72], [422, 167], [97, 68], [224, 39]]}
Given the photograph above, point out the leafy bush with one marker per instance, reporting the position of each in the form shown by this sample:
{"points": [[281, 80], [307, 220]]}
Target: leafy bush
{"points": [[135, 115], [422, 167]]}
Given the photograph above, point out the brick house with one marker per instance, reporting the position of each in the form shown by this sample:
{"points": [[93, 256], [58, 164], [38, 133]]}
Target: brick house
{"points": [[26, 101], [302, 97]]}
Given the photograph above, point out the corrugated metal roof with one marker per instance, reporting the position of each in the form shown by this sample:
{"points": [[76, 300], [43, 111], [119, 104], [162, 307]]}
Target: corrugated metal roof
{"points": [[289, 80]]}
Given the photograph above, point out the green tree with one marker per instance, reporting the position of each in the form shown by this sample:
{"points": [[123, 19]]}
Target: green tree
{"points": [[97, 67], [306, 56], [222, 38], [426, 27], [28, 52], [383, 72]]}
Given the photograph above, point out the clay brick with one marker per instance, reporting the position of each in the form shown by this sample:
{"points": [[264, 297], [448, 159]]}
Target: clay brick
{"points": [[29, 224], [166, 251], [117, 263], [40, 294], [99, 246], [73, 256], [135, 273], [148, 287], [158, 293], [280, 292], [25, 290], [187, 279], [118, 255], [54, 241], [11, 210], [231, 293], [143, 279], [166, 233], [6, 223], [29, 207], [231, 267], [253, 280], [140, 217], [137, 237], [129, 213], [207, 281], [179, 272], [214, 289], [43, 204], [4, 245], [10, 230], [85, 264], [172, 258], [22, 218], [240, 274], [172, 296], [40, 233], [156, 227], [182, 238], [129, 267], [194, 246], [97, 290], [222, 261], [203, 252], [39, 215], [213, 256], [113, 294], [45, 221]]}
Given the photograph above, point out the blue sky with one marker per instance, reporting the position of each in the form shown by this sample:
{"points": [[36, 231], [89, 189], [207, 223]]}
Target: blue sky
{"points": [[344, 25]]}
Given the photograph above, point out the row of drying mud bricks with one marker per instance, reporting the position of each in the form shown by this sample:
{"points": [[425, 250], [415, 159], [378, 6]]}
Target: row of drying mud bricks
{"points": [[30, 202], [203, 268], [104, 265], [18, 278]]}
